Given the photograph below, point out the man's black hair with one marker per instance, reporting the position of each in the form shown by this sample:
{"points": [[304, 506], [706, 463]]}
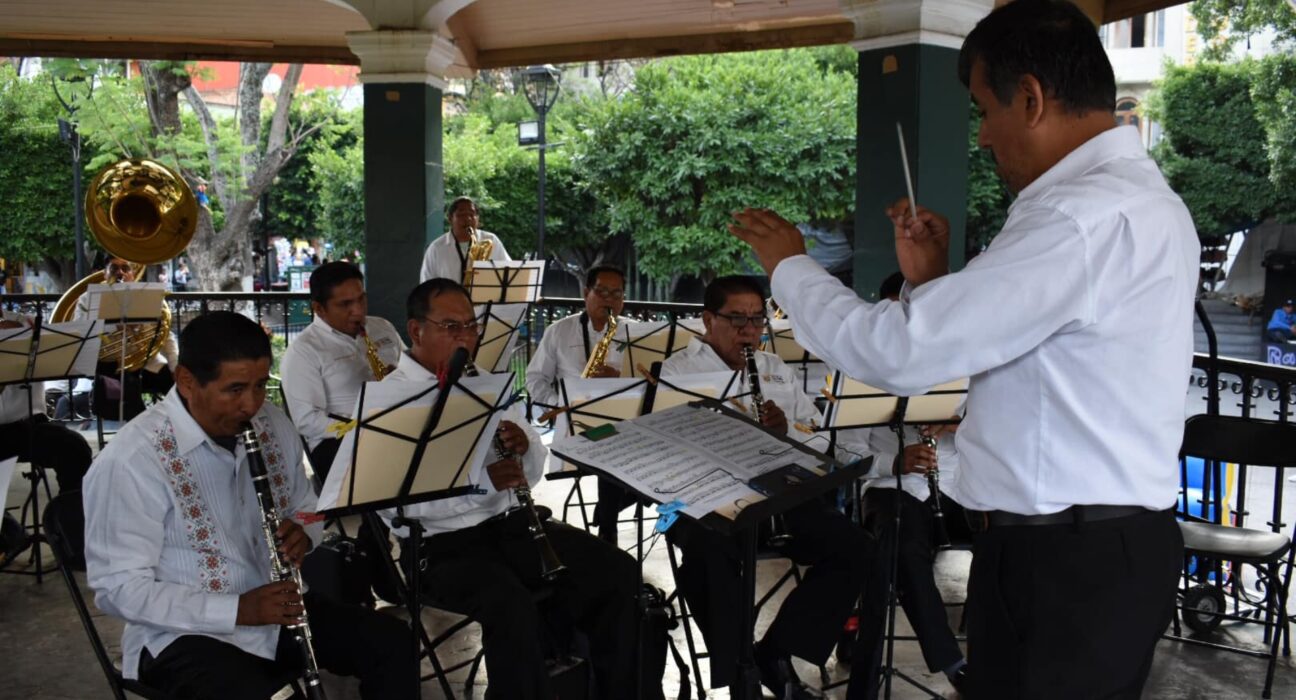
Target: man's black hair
{"points": [[721, 288], [454, 204], [591, 277], [891, 286], [220, 336], [419, 302], [1052, 40], [325, 278]]}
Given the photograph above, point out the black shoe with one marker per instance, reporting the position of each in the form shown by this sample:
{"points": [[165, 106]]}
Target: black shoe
{"points": [[779, 678], [959, 679]]}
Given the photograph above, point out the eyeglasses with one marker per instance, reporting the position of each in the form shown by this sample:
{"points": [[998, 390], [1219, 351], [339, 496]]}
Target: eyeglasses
{"points": [[606, 293], [455, 327], [741, 321]]}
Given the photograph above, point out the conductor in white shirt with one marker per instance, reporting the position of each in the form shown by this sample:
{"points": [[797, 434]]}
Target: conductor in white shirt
{"points": [[326, 365], [1075, 326], [811, 618], [479, 557], [174, 544], [447, 256]]}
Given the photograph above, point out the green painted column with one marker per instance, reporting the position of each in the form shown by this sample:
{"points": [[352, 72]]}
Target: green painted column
{"points": [[404, 190], [916, 85]]}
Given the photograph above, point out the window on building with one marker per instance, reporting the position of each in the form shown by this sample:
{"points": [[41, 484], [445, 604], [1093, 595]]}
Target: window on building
{"points": [[1127, 112]]}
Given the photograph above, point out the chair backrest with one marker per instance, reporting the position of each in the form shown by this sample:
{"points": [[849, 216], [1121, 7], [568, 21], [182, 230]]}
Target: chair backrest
{"points": [[64, 526], [1242, 440]]}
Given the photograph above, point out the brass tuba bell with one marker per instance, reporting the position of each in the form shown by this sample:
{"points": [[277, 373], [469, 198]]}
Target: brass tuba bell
{"points": [[141, 211]]}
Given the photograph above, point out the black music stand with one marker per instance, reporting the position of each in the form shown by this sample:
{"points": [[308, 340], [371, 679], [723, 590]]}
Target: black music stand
{"points": [[39, 354], [784, 487], [506, 281], [853, 405], [120, 306], [643, 343], [500, 324], [395, 418]]}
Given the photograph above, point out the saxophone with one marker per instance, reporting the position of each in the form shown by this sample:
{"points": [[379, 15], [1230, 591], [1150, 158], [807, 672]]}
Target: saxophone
{"points": [[280, 568], [598, 355], [478, 250], [379, 369]]}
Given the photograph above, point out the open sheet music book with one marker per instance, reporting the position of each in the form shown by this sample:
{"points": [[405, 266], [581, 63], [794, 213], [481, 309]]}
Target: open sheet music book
{"points": [[711, 461], [373, 463]]}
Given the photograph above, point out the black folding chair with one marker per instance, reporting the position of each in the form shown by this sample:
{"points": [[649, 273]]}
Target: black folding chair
{"points": [[65, 529], [1218, 440]]}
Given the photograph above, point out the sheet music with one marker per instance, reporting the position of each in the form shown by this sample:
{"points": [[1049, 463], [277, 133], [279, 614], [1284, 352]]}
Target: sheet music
{"points": [[594, 402], [646, 342], [507, 281], [700, 457], [499, 332], [64, 350], [391, 422], [131, 300]]}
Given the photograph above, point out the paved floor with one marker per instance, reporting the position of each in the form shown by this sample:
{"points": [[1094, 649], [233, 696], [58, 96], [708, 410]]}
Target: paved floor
{"points": [[47, 657]]}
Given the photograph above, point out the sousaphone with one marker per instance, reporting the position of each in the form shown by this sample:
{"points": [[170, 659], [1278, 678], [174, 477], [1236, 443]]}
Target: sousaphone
{"points": [[141, 211]]}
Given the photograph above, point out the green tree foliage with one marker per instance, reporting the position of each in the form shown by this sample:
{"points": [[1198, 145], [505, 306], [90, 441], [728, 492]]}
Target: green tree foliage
{"points": [[36, 213], [1224, 23], [703, 136], [1214, 148], [293, 209], [1273, 90], [336, 186], [988, 198]]}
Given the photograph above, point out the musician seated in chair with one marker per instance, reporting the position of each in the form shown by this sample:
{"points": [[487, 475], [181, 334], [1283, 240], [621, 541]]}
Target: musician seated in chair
{"points": [[27, 433], [155, 377], [447, 256], [327, 363], [175, 545], [564, 352], [478, 556], [813, 614], [919, 538]]}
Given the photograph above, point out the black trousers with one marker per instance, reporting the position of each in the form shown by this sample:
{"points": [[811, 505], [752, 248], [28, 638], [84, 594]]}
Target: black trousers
{"points": [[813, 614], [1070, 611], [348, 640], [491, 571], [137, 383], [915, 582], [48, 445]]}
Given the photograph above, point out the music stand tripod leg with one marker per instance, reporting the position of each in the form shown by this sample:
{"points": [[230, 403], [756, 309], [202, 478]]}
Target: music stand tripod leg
{"points": [[415, 602], [747, 681]]}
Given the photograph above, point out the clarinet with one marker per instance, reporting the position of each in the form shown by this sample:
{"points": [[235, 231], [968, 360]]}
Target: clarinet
{"points": [[550, 565], [778, 528], [933, 484], [280, 568]]}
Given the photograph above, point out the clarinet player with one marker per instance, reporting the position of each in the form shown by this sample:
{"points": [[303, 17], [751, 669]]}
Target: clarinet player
{"points": [[479, 554], [174, 541]]}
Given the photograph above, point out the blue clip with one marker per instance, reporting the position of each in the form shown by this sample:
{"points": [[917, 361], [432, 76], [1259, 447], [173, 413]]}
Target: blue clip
{"points": [[667, 514]]}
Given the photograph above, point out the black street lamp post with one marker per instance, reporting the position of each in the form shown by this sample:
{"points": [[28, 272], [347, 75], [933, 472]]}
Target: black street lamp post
{"points": [[540, 84], [69, 134]]}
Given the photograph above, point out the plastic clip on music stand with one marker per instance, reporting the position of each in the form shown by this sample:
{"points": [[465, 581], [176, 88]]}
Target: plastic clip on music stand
{"points": [[415, 442], [854, 404], [44, 353]]}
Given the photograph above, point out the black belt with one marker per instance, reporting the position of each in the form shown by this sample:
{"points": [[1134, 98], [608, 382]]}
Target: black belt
{"points": [[1069, 516]]}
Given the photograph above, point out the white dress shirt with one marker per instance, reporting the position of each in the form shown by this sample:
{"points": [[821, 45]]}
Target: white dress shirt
{"points": [[324, 368], [884, 447], [459, 512], [1075, 327], [779, 383], [14, 405], [173, 528], [562, 354], [445, 256]]}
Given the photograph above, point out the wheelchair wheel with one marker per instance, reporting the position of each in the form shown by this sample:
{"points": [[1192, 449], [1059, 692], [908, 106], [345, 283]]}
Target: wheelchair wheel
{"points": [[1202, 607]]}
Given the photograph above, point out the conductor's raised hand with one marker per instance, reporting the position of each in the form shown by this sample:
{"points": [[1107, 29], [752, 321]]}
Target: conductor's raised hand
{"points": [[770, 236], [276, 603], [922, 242], [514, 439], [294, 543]]}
